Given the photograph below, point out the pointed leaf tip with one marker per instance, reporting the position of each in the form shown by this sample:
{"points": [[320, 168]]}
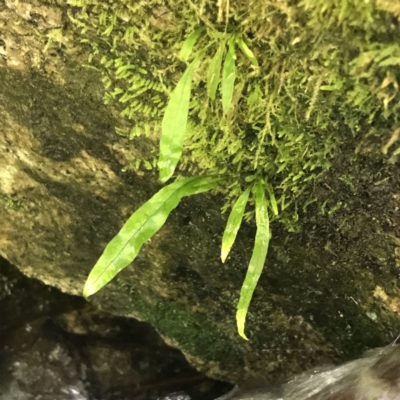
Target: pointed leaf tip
{"points": [[233, 224], [240, 321], [258, 257], [247, 52], [189, 43], [214, 71], [88, 290]]}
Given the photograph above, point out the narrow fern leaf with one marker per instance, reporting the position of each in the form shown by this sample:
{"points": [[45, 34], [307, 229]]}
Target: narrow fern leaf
{"points": [[174, 124], [214, 71], [233, 224], [257, 261], [272, 200], [202, 184], [140, 227], [247, 52], [188, 44], [228, 81], [231, 46]]}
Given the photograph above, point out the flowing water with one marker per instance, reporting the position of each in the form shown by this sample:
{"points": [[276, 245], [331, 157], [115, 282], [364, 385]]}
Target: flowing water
{"points": [[376, 376]]}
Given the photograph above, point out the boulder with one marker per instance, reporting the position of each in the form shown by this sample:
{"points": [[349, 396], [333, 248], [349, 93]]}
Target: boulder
{"points": [[328, 291]]}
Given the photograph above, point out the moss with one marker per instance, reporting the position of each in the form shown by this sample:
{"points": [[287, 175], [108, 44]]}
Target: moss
{"points": [[192, 331], [8, 201], [327, 69]]}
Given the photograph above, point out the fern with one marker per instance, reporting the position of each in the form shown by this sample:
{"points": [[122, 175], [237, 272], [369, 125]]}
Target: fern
{"points": [[298, 88]]}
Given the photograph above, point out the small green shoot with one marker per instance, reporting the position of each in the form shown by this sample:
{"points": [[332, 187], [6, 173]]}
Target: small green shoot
{"points": [[228, 77], [272, 200], [214, 71], [247, 52], [233, 224], [174, 124], [231, 46], [140, 227], [258, 257], [189, 43]]}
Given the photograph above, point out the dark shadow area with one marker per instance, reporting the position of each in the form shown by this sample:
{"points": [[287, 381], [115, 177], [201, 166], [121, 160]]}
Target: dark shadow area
{"points": [[58, 347]]}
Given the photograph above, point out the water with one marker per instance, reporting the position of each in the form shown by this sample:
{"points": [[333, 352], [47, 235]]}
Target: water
{"points": [[376, 376]]}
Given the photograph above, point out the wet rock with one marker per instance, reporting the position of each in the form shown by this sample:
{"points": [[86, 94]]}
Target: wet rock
{"points": [[40, 364], [376, 376], [55, 346], [24, 300], [64, 195]]}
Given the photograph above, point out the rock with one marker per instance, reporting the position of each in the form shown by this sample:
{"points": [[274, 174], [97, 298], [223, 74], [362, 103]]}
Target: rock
{"points": [[50, 351], [42, 365], [63, 196]]}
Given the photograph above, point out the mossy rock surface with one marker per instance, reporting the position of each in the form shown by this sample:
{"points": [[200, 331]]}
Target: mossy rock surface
{"points": [[330, 286]]}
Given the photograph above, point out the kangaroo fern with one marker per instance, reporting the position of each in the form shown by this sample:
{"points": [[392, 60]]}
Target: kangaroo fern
{"points": [[233, 224], [257, 261], [140, 227], [174, 124]]}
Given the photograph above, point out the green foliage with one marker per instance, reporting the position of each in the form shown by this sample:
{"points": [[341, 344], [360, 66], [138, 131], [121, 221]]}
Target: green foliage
{"points": [[233, 224], [189, 43], [293, 90], [174, 124], [261, 243], [228, 78], [247, 52], [214, 71], [272, 199], [176, 113], [140, 227]]}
